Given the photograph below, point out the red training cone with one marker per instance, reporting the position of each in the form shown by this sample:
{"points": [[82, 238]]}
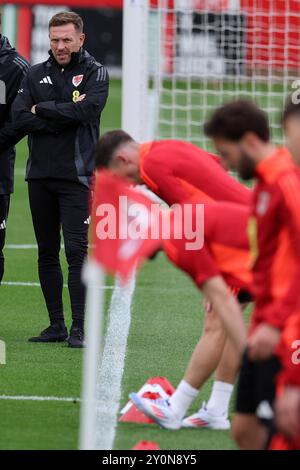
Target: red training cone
{"points": [[146, 445], [155, 387]]}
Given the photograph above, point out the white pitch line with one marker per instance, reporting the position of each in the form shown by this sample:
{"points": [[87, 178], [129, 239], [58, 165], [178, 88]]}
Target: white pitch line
{"points": [[20, 247], [36, 398], [37, 284], [13, 246], [17, 283], [112, 367], [20, 172]]}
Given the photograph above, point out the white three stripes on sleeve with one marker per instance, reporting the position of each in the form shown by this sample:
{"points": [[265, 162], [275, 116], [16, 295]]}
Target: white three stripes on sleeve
{"points": [[101, 76], [21, 64]]}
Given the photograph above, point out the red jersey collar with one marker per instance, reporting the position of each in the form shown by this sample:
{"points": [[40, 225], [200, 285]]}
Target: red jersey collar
{"points": [[274, 165]]}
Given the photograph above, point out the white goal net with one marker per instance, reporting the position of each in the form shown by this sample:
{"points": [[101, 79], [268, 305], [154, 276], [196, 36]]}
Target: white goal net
{"points": [[202, 53]]}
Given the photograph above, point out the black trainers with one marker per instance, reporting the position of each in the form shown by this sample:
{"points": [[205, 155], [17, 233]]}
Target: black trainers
{"points": [[53, 334], [76, 338]]}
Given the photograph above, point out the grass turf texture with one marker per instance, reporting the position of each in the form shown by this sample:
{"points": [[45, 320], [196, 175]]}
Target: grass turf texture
{"points": [[166, 323]]}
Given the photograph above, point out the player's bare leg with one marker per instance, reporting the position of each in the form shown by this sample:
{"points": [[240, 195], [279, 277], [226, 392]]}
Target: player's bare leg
{"points": [[229, 364], [215, 412], [248, 432], [207, 353], [212, 349], [203, 362], [215, 346], [226, 319], [225, 377]]}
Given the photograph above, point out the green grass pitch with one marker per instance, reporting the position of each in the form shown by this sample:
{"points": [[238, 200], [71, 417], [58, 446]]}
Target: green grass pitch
{"points": [[166, 323]]}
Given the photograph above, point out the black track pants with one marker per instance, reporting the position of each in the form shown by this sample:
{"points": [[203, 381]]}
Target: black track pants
{"points": [[60, 204], [4, 208]]}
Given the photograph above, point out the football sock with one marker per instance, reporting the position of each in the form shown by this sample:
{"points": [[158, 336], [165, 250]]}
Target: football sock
{"points": [[182, 398], [218, 402]]}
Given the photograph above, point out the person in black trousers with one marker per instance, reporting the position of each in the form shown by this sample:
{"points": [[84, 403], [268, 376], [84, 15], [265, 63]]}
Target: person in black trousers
{"points": [[13, 69], [59, 106]]}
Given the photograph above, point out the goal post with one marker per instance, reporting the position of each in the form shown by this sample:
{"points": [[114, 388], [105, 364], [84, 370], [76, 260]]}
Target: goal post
{"points": [[135, 68], [198, 54]]}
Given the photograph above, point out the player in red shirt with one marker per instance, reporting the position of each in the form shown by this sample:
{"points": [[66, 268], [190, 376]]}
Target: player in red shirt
{"points": [[178, 172], [241, 134], [222, 262], [288, 384], [174, 170]]}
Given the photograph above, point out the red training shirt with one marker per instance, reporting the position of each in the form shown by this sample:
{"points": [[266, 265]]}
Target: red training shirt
{"points": [[225, 251], [274, 230], [177, 171]]}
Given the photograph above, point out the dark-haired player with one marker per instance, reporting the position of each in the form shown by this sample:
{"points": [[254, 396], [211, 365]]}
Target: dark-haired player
{"points": [[241, 133], [178, 171]]}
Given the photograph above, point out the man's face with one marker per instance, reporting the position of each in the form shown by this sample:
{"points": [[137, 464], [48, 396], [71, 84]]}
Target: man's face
{"points": [[63, 41], [292, 134], [235, 157], [229, 151]]}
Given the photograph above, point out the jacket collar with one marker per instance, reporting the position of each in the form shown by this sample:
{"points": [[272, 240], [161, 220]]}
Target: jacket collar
{"points": [[76, 57]]}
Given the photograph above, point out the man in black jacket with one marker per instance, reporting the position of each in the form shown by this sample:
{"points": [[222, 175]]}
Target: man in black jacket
{"points": [[13, 68], [59, 105]]}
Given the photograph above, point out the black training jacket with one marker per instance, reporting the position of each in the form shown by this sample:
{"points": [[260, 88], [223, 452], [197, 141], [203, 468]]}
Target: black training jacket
{"points": [[63, 133], [13, 69]]}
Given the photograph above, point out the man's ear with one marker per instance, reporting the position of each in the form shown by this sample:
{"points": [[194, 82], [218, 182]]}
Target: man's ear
{"points": [[250, 139], [250, 142], [82, 38], [120, 158]]}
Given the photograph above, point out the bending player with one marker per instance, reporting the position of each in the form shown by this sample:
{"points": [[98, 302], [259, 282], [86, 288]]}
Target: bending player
{"points": [[174, 170], [220, 264], [177, 172]]}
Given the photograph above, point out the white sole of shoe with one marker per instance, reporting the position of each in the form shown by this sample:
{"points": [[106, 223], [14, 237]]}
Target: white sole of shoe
{"points": [[138, 403], [217, 426]]}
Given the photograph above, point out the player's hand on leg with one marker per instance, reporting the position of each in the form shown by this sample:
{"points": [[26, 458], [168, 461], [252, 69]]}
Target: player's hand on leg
{"points": [[263, 342], [287, 412]]}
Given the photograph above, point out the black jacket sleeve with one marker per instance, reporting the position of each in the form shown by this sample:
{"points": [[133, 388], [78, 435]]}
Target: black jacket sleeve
{"points": [[96, 91], [9, 137], [23, 119]]}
